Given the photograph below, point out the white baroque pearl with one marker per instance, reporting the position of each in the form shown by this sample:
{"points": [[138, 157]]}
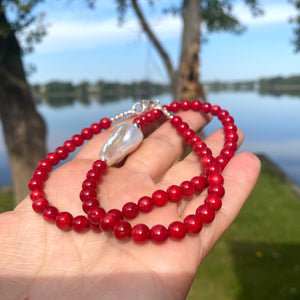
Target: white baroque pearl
{"points": [[125, 139]]}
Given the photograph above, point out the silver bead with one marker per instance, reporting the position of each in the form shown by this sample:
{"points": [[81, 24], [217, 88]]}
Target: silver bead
{"points": [[125, 139]]}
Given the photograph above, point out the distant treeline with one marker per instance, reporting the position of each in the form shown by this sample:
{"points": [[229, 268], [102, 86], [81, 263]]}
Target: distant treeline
{"points": [[57, 92], [274, 85]]}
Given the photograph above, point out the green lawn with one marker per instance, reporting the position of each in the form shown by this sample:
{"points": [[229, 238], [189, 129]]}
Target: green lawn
{"points": [[259, 256]]}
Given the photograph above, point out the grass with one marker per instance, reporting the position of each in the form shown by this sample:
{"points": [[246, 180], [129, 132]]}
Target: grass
{"points": [[259, 255]]}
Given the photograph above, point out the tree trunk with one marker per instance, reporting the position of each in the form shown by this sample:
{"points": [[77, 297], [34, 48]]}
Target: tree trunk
{"points": [[23, 127], [188, 85]]}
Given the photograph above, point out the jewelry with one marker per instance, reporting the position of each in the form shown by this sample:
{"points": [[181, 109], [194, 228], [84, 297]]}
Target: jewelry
{"points": [[126, 138]]}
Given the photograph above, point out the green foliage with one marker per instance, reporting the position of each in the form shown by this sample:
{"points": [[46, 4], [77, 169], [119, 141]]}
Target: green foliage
{"points": [[296, 20], [23, 21]]}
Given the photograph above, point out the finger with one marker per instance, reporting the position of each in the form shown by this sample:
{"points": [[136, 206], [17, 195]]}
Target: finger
{"points": [[191, 166], [163, 147], [240, 177]]}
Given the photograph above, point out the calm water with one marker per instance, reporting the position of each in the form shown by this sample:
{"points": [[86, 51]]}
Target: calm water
{"points": [[271, 125]]}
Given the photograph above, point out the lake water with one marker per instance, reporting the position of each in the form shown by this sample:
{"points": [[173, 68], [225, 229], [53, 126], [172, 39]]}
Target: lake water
{"points": [[271, 125]]}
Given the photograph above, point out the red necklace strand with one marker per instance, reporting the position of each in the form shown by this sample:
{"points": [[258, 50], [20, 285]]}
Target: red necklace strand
{"points": [[115, 220]]}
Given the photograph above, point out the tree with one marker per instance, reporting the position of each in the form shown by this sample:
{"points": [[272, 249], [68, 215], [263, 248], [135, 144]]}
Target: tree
{"points": [[296, 20], [216, 15], [23, 127]]}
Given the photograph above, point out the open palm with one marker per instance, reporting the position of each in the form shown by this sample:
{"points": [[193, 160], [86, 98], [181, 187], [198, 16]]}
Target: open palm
{"points": [[39, 261]]}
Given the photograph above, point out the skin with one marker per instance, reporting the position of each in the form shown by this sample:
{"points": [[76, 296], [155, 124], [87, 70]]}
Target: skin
{"points": [[39, 261]]}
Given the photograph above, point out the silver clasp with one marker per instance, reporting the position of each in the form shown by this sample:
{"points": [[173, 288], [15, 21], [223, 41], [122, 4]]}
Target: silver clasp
{"points": [[142, 106]]}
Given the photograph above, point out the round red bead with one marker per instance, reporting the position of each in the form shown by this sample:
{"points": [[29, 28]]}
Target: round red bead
{"points": [[122, 230], [89, 183], [185, 105], [62, 152], [187, 188], [89, 203], [116, 212], [87, 133], [77, 139], [35, 184], [140, 233], [36, 194], [187, 134], [213, 201], [93, 174], [80, 224], [176, 121], [130, 210], [40, 174], [145, 204], [215, 178], [100, 166], [105, 123], [96, 128], [216, 189], [69, 146], [177, 230], [87, 193], [212, 168], [64, 220], [45, 164], [95, 214], [222, 161], [182, 127], [199, 183], [158, 233], [205, 213], [207, 160], [196, 105], [50, 213], [39, 204], [227, 152], [174, 107], [175, 193], [53, 158], [206, 107], [160, 197], [230, 145], [223, 114], [108, 222], [192, 223], [215, 109]]}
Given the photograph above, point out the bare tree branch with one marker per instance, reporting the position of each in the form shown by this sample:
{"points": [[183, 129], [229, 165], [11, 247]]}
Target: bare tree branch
{"points": [[164, 55]]}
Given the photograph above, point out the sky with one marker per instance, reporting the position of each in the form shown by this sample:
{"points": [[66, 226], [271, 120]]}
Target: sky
{"points": [[89, 44]]}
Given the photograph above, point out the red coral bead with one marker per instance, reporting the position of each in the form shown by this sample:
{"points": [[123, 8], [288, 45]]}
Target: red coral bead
{"points": [[36, 194], [213, 201], [50, 213], [177, 230], [212, 168], [105, 123], [231, 136], [77, 139], [89, 203], [185, 105], [194, 139], [145, 204], [223, 114], [187, 134], [108, 222], [87, 133], [222, 161], [175, 193], [205, 213], [95, 214], [215, 178], [80, 224], [140, 233], [93, 174], [192, 223], [216, 189], [183, 126], [207, 160], [94, 227], [206, 107], [122, 230], [160, 197], [230, 145], [39, 204], [64, 220], [230, 127], [35, 184], [196, 105], [130, 210], [228, 120], [96, 128], [100, 166], [199, 183], [158, 233], [227, 152], [176, 121], [53, 158], [87, 193], [198, 147], [89, 183], [150, 116], [116, 212], [157, 113], [62, 152], [174, 106], [215, 109], [40, 173], [69, 146], [45, 164], [187, 188]]}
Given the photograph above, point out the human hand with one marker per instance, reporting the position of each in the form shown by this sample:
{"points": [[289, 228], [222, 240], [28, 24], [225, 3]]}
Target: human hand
{"points": [[39, 261]]}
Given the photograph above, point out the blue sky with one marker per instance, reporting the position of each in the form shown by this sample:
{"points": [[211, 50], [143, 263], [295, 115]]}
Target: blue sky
{"points": [[85, 44]]}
